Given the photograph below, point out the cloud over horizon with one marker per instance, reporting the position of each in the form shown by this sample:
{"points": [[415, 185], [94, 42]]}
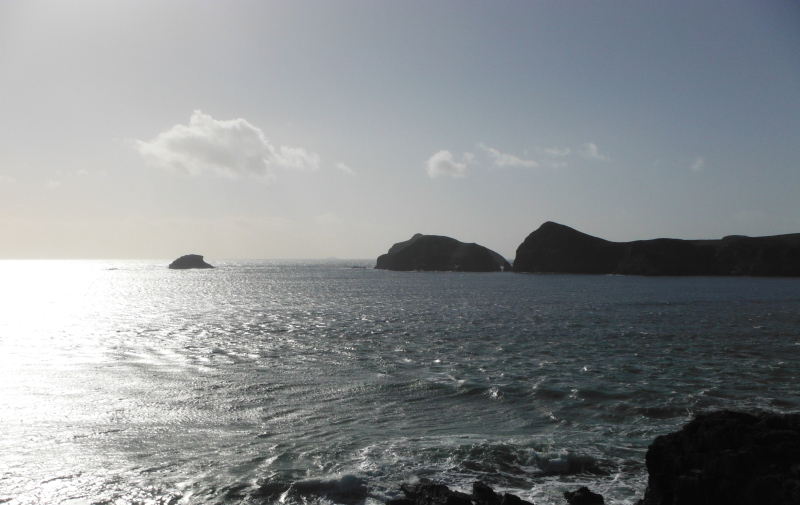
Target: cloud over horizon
{"points": [[557, 152], [501, 159], [344, 168], [228, 148], [442, 163], [590, 151]]}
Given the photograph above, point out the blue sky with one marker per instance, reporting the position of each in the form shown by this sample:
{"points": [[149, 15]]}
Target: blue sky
{"points": [[335, 129]]}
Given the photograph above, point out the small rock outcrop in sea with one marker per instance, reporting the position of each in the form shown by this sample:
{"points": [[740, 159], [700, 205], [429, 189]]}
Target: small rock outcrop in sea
{"points": [[727, 458], [189, 261], [560, 249], [427, 492], [583, 496], [434, 252]]}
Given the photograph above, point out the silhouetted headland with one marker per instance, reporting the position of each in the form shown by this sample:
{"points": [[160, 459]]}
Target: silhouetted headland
{"points": [[434, 252], [560, 249], [189, 261]]}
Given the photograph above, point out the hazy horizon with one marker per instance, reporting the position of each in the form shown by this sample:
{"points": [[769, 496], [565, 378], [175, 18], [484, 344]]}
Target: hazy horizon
{"points": [[311, 130]]}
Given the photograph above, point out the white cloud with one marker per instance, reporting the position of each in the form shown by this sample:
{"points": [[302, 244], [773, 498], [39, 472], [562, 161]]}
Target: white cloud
{"points": [[232, 148], [591, 152], [698, 164], [344, 168], [501, 159], [294, 157], [442, 163], [556, 152], [52, 183]]}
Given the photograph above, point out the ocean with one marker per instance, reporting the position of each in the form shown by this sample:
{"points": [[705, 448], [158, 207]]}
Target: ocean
{"points": [[123, 382]]}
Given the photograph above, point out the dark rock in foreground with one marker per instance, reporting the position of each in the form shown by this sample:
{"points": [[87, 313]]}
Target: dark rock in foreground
{"points": [[583, 496], [727, 458], [719, 458], [434, 252], [189, 261], [426, 492], [560, 249]]}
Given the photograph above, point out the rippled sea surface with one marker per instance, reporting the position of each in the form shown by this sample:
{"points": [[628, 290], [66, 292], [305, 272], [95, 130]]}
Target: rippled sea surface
{"points": [[123, 382]]}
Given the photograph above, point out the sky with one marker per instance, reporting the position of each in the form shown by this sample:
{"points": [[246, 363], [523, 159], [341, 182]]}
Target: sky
{"points": [[318, 129]]}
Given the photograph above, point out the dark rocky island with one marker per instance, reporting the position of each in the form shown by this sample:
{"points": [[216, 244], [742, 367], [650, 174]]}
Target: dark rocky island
{"points": [[557, 248], [189, 261], [434, 252], [727, 458]]}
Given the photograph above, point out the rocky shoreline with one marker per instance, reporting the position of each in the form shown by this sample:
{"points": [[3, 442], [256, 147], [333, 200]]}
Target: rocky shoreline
{"points": [[719, 458], [727, 458], [427, 492]]}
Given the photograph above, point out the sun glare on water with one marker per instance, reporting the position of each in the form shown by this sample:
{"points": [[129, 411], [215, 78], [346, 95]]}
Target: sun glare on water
{"points": [[52, 312]]}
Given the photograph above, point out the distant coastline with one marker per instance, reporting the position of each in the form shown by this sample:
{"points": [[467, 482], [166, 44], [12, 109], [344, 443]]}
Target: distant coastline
{"points": [[556, 248]]}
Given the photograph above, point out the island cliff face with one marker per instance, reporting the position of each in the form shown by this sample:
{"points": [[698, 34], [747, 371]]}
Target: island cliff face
{"points": [[189, 261], [560, 249], [433, 252]]}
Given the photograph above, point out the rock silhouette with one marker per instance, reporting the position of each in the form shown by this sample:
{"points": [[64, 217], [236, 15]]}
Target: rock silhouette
{"points": [[189, 261], [427, 492], [719, 458], [434, 252], [727, 458], [560, 249], [583, 496]]}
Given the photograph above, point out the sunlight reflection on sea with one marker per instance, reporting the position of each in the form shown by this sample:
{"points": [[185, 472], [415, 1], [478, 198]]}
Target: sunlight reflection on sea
{"points": [[125, 382]]}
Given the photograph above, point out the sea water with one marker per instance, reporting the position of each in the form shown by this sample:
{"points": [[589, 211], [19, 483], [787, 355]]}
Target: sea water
{"points": [[123, 382]]}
